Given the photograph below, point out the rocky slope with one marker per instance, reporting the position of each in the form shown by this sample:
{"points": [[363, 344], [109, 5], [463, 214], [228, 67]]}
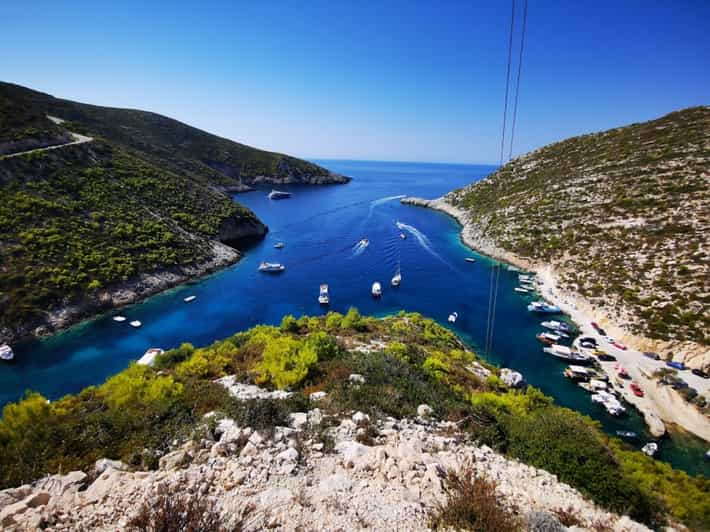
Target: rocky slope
{"points": [[623, 217]]}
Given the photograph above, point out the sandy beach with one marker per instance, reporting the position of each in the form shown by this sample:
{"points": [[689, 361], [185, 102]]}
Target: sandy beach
{"points": [[660, 404]]}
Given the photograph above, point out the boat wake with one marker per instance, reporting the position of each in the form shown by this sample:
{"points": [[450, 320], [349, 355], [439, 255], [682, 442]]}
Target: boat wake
{"points": [[360, 247], [421, 238], [375, 203]]}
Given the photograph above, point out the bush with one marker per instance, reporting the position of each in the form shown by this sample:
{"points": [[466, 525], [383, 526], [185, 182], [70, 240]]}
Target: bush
{"points": [[177, 512], [285, 362]]}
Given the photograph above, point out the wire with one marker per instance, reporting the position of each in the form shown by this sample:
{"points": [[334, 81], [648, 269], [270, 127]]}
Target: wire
{"points": [[517, 83], [507, 80]]}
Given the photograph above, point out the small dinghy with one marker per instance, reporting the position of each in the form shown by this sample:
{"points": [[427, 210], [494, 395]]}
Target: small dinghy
{"points": [[135, 324], [189, 299], [453, 317], [6, 352], [271, 267], [119, 319], [628, 434], [376, 289], [650, 449], [279, 245], [470, 259], [323, 297]]}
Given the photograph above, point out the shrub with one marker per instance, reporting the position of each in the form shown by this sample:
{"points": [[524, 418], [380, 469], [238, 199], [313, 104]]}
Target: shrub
{"points": [[176, 512], [285, 362]]}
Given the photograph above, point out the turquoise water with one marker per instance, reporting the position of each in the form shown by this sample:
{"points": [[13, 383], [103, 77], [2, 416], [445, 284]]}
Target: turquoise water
{"points": [[320, 227]]}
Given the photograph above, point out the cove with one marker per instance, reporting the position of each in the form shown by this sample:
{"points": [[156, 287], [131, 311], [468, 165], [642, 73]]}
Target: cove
{"points": [[320, 227]]}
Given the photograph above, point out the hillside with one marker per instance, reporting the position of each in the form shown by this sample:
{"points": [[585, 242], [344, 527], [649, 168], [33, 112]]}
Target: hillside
{"points": [[623, 217], [331, 422], [101, 207]]}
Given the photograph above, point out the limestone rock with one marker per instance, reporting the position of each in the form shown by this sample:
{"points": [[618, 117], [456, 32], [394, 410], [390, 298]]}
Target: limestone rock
{"points": [[424, 410], [356, 378], [173, 460], [102, 464]]}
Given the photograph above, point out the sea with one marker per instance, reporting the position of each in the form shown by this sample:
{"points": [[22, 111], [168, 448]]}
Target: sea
{"points": [[321, 227]]}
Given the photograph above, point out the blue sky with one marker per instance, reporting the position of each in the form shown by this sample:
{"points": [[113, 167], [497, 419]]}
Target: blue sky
{"points": [[388, 80]]}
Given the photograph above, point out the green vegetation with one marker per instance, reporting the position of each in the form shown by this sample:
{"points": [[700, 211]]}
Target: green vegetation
{"points": [[624, 214], [406, 360]]}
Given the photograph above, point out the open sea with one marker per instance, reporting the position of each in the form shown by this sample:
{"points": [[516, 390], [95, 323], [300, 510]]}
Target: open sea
{"points": [[320, 227]]}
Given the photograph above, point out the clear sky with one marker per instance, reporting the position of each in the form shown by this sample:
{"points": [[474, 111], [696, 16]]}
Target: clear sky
{"points": [[384, 80]]}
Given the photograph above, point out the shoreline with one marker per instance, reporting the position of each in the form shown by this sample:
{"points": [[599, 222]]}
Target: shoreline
{"points": [[660, 404]]}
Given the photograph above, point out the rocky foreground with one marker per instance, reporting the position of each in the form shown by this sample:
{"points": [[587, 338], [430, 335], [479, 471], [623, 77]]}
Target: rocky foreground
{"points": [[321, 473]]}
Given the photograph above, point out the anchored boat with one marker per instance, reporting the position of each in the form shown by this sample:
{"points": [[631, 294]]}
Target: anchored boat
{"points": [[565, 353], [271, 267], [376, 289], [650, 449], [135, 324], [397, 279], [279, 194], [453, 317], [470, 259], [6, 352], [279, 245], [541, 306], [189, 299], [119, 319], [323, 297]]}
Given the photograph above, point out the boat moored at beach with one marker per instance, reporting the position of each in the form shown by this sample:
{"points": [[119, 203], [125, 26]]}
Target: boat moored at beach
{"points": [[541, 306], [628, 434], [565, 353], [521, 290], [610, 403], [577, 373], [548, 338], [279, 194], [271, 267], [376, 289], [323, 297], [6, 352]]}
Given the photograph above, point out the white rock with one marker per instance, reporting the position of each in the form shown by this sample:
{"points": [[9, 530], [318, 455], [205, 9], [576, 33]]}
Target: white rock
{"points": [[360, 418], [102, 464], [173, 460], [424, 410], [512, 378], [244, 392], [298, 420], [289, 455], [356, 378], [334, 483], [317, 396], [315, 417]]}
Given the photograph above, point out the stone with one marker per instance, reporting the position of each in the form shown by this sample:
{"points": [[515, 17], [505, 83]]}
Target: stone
{"points": [[424, 410], [13, 495], [298, 420], [102, 464], [317, 396], [290, 455], [334, 483], [356, 378], [544, 522], [360, 418], [106, 483], [512, 378], [249, 450], [58, 485], [173, 460], [37, 499], [352, 452], [245, 392], [315, 417]]}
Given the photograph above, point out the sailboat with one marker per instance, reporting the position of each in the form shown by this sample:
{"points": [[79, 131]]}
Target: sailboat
{"points": [[397, 277]]}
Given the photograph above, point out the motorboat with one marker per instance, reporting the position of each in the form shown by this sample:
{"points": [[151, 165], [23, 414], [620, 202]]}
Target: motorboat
{"points": [[650, 449], [521, 290], [397, 279], [323, 297], [453, 317], [189, 299], [628, 434], [403, 236], [610, 403], [148, 358], [513, 269], [470, 259], [577, 373], [279, 194], [279, 245], [135, 324], [376, 289], [363, 242], [548, 337], [541, 306], [271, 267], [119, 319], [6, 352], [560, 327], [565, 353]]}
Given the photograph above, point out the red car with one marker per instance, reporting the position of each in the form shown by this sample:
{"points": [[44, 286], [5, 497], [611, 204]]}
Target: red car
{"points": [[638, 392], [619, 346]]}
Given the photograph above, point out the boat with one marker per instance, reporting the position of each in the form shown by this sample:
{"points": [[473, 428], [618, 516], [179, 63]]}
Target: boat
{"points": [[135, 324], [541, 306], [548, 338], [628, 434], [119, 319], [189, 299], [513, 269], [559, 327], [323, 297], [521, 290], [148, 358], [403, 236], [525, 278], [376, 289], [650, 449], [565, 353], [610, 403], [470, 259], [271, 267], [279, 245], [577, 373], [279, 194], [453, 317], [397, 279], [6, 352]]}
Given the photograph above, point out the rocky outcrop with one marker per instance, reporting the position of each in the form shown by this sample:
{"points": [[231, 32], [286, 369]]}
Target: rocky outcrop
{"points": [[306, 477]]}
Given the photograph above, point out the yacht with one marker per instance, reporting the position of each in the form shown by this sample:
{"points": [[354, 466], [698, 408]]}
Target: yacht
{"points": [[650, 449], [541, 306], [279, 245], [453, 317], [565, 353], [558, 326], [135, 324], [611, 403], [470, 259], [513, 269], [577, 373], [376, 289], [323, 297], [364, 242], [397, 279], [148, 358], [548, 337], [403, 236], [521, 290], [6, 352], [271, 267], [119, 319], [189, 299], [278, 194]]}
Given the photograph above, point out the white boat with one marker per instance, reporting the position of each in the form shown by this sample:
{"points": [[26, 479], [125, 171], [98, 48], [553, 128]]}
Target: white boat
{"points": [[521, 290], [557, 326], [397, 279], [548, 337], [135, 324], [525, 278], [470, 259], [565, 353], [278, 194], [364, 242], [611, 403], [148, 358], [271, 267], [376, 289], [650, 449], [279, 245], [513, 269], [119, 319], [577, 373], [6, 352], [403, 236], [323, 297], [189, 299], [453, 317], [541, 306]]}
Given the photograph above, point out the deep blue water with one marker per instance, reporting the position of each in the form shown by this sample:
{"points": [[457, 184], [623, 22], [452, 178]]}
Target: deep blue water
{"points": [[320, 227]]}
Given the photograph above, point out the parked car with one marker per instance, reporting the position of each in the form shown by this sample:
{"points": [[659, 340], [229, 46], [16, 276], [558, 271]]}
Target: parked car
{"points": [[654, 356], [700, 373], [619, 346], [638, 392], [675, 365]]}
